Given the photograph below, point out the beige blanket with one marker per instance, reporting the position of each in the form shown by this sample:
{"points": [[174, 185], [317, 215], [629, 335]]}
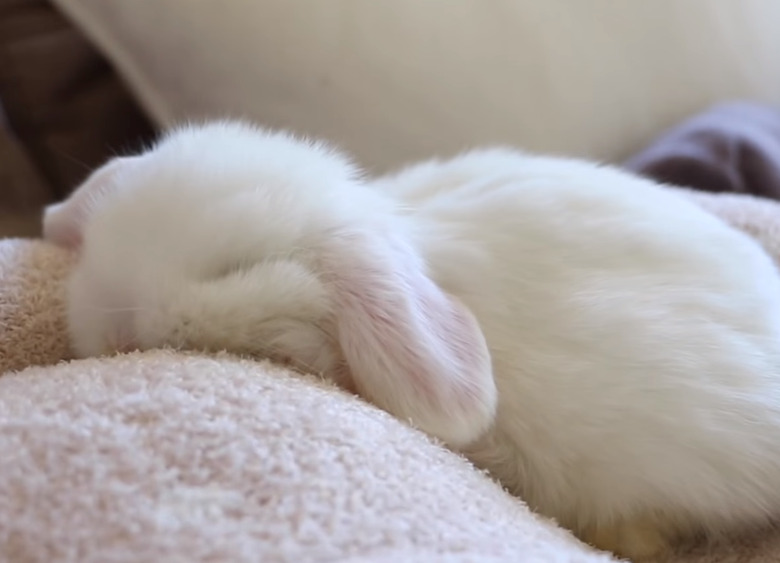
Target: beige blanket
{"points": [[170, 457]]}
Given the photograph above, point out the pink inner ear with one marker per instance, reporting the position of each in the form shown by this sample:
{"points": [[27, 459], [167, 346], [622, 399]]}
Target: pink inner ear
{"points": [[63, 223], [412, 349]]}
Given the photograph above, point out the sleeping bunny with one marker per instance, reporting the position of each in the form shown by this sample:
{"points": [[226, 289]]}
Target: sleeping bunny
{"points": [[606, 349]]}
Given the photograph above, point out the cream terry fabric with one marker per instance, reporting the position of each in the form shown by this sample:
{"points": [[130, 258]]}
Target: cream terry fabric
{"points": [[168, 457], [171, 457]]}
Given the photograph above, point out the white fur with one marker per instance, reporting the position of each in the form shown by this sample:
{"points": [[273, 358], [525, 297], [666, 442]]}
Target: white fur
{"points": [[230, 237], [634, 339]]}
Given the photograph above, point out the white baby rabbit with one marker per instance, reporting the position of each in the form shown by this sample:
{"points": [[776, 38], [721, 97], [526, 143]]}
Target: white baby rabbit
{"points": [[606, 349]]}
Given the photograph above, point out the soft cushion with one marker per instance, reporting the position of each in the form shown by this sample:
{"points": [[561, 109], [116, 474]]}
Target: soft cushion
{"points": [[394, 80], [164, 456]]}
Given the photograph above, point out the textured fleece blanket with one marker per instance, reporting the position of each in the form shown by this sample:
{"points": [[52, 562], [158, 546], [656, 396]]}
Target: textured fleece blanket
{"points": [[170, 457], [732, 147], [164, 456]]}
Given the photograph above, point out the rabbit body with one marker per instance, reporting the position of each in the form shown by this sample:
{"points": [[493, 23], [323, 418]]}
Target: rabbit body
{"points": [[606, 349], [635, 342]]}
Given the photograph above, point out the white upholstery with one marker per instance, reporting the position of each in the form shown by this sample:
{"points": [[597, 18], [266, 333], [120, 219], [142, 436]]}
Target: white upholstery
{"points": [[398, 79]]}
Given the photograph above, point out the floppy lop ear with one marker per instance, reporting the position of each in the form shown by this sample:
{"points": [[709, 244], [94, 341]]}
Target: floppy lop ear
{"points": [[63, 223], [412, 350]]}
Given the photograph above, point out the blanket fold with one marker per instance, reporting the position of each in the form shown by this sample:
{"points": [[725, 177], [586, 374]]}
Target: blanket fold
{"points": [[731, 147]]}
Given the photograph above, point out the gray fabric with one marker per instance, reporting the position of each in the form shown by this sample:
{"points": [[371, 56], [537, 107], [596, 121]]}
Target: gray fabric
{"points": [[732, 147]]}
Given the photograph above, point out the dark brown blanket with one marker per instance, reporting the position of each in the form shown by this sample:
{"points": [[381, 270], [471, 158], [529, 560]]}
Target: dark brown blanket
{"points": [[732, 147]]}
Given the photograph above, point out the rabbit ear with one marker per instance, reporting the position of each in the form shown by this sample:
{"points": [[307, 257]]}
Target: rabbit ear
{"points": [[63, 223], [412, 349]]}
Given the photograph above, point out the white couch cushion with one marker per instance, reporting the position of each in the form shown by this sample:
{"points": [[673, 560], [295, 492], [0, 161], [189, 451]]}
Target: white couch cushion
{"points": [[398, 79]]}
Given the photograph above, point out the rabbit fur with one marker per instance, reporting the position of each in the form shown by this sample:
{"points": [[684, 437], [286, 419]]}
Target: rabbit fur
{"points": [[606, 349]]}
